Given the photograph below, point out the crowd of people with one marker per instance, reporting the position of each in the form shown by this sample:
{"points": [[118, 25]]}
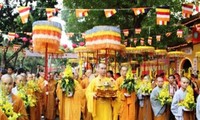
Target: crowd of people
{"points": [[34, 98]]}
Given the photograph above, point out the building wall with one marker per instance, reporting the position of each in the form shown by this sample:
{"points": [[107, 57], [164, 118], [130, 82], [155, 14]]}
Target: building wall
{"points": [[190, 55]]}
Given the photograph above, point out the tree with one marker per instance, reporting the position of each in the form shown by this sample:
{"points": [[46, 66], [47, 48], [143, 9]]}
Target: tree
{"points": [[11, 22], [126, 19]]}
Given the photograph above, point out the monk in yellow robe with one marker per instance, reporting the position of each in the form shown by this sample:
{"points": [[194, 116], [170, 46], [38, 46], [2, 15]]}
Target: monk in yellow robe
{"points": [[84, 83], [3, 116], [70, 106], [145, 110], [101, 108], [33, 89], [42, 85], [127, 101], [50, 99], [18, 104]]}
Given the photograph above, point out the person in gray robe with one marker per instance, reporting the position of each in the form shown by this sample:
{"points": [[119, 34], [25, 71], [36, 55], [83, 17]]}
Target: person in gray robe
{"points": [[158, 109], [198, 108], [180, 112]]}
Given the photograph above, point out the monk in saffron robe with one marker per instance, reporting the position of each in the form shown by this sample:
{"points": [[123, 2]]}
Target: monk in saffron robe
{"points": [[101, 108], [42, 83], [34, 111], [18, 104], [3, 116], [50, 98], [70, 107], [145, 110], [180, 112], [125, 103], [84, 83], [158, 109]]}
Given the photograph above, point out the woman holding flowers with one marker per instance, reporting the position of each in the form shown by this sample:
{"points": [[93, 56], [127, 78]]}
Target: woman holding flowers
{"points": [[183, 102], [158, 100]]}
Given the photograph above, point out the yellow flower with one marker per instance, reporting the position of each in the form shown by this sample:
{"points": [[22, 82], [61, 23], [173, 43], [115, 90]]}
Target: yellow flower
{"points": [[188, 102], [164, 96], [68, 71]]}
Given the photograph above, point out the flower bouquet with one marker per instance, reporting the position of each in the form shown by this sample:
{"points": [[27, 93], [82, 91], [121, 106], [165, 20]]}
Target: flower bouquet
{"points": [[188, 103], [129, 83], [29, 100], [146, 88], [164, 97], [7, 107], [67, 82]]}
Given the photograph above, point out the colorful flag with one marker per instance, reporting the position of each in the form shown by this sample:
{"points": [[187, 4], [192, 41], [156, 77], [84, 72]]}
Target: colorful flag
{"points": [[81, 13], [163, 16], [179, 33], [126, 32], [187, 10], [70, 34], [135, 41], [142, 41], [24, 13], [50, 12], [150, 40], [109, 12], [11, 36], [83, 35], [138, 11], [158, 38], [137, 30], [16, 47]]}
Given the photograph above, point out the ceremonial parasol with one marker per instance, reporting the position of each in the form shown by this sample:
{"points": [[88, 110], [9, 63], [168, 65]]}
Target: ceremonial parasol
{"points": [[145, 50], [176, 55], [104, 38], [159, 53], [46, 39]]}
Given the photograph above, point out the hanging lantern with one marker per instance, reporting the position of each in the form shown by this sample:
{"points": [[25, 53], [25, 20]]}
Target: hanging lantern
{"points": [[24, 39], [158, 38], [126, 32], [16, 35], [64, 46], [138, 30], [142, 41], [150, 40], [74, 45], [135, 41], [179, 33], [81, 43]]}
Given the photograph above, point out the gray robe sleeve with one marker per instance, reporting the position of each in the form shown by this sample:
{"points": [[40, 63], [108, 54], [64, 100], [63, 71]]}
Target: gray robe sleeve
{"points": [[198, 108], [175, 108], [158, 109]]}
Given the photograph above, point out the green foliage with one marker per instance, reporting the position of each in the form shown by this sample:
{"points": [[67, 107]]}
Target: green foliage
{"points": [[68, 86]]}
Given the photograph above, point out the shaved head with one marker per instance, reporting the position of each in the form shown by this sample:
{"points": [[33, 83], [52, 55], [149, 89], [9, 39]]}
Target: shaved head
{"points": [[6, 77], [7, 83]]}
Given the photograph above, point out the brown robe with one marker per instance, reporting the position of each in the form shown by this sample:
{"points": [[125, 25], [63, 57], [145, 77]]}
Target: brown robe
{"points": [[50, 100], [3, 116], [19, 107]]}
